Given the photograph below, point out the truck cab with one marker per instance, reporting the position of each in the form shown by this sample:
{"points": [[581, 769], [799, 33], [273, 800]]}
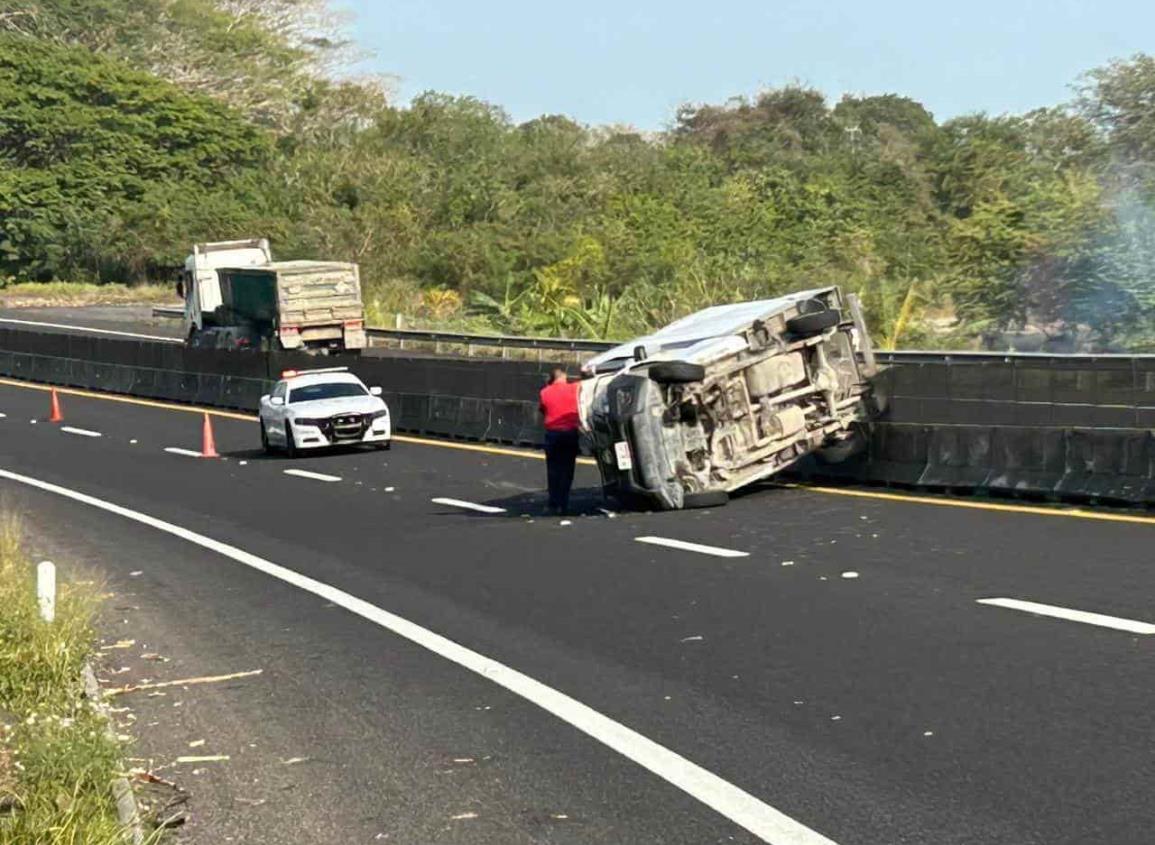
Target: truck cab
{"points": [[199, 284]]}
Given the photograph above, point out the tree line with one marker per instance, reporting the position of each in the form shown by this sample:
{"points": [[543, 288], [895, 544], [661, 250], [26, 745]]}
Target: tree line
{"points": [[131, 128]]}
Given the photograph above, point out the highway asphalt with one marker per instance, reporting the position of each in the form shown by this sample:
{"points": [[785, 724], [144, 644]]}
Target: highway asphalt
{"points": [[841, 671]]}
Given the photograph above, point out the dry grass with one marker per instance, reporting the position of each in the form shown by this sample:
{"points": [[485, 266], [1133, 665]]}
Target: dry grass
{"points": [[66, 294], [56, 760]]}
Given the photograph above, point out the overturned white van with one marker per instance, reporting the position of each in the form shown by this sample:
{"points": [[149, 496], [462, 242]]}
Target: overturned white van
{"points": [[728, 396]]}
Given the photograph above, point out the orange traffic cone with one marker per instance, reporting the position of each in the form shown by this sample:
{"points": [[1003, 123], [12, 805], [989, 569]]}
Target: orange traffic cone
{"points": [[55, 416], [208, 443]]}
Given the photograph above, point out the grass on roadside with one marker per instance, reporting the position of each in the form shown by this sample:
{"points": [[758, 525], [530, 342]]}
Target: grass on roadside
{"points": [[56, 760], [65, 294]]}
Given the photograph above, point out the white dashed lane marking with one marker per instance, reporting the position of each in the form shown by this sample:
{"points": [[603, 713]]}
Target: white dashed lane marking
{"points": [[716, 551], [1131, 626], [469, 506], [83, 432], [176, 450], [316, 476]]}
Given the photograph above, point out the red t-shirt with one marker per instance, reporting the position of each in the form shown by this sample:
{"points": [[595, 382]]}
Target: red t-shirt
{"points": [[559, 403]]}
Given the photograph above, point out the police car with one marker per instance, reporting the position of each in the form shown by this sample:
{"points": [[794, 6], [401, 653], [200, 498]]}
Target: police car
{"points": [[315, 409]]}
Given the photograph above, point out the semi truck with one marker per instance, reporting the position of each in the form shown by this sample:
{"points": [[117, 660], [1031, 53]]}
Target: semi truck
{"points": [[199, 284], [237, 297]]}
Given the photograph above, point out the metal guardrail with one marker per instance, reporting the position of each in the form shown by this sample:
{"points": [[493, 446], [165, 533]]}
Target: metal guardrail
{"points": [[557, 344]]}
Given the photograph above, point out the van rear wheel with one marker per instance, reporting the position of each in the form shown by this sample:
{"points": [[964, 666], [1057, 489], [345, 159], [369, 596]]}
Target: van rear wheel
{"points": [[676, 372], [705, 499]]}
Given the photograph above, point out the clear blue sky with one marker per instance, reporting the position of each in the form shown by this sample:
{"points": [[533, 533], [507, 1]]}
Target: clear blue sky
{"points": [[635, 61]]}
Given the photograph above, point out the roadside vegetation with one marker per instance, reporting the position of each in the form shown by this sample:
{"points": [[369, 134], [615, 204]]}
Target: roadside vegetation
{"points": [[62, 294], [183, 120], [56, 761]]}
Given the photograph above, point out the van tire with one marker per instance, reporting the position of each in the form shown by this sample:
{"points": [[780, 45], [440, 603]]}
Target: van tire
{"points": [[705, 499], [676, 372], [811, 324], [851, 446]]}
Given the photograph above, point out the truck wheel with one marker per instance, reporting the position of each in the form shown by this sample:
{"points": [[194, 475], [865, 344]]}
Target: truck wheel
{"points": [[705, 499], [676, 372], [843, 450], [811, 324]]}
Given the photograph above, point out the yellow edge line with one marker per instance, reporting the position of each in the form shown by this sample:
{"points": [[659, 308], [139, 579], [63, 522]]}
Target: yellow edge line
{"points": [[233, 415], [1075, 513]]}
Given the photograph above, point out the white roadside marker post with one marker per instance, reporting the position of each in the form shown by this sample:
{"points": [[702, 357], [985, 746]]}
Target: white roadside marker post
{"points": [[46, 589]]}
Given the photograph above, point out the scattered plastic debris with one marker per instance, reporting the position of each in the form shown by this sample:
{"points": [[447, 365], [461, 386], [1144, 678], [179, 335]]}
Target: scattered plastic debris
{"points": [[928, 733], [697, 638], [292, 761], [850, 574], [462, 816], [608, 513], [835, 718], [196, 743], [119, 644], [136, 572], [787, 563], [566, 522]]}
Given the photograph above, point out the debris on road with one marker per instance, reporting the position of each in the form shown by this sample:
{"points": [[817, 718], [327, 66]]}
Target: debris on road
{"points": [[292, 761], [207, 679], [461, 816], [697, 638], [849, 574], [208, 758]]}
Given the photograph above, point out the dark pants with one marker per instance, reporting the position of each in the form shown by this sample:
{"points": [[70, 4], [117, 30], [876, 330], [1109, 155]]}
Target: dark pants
{"points": [[561, 451]]}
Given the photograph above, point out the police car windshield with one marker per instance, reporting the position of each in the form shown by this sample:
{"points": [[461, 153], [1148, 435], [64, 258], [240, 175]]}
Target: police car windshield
{"points": [[327, 390]]}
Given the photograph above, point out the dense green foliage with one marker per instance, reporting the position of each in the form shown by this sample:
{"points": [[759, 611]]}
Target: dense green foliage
{"points": [[207, 119]]}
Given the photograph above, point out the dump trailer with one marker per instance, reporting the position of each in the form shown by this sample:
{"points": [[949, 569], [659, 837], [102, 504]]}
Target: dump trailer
{"points": [[312, 305]]}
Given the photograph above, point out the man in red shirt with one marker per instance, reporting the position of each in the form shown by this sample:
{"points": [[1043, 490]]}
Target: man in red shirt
{"points": [[559, 406]]}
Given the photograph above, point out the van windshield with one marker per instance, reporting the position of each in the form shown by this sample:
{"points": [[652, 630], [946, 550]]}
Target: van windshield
{"points": [[327, 390]]}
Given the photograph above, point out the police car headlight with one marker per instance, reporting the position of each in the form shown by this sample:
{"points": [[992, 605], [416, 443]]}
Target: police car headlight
{"points": [[384, 412], [308, 421]]}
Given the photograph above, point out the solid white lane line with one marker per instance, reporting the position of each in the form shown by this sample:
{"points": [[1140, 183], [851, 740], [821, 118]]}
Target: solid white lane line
{"points": [[716, 551], [1131, 626], [176, 450], [316, 476], [83, 432], [469, 506], [90, 330], [765, 822]]}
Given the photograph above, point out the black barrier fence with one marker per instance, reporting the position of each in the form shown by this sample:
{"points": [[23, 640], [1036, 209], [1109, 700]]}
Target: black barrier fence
{"points": [[1113, 465], [1077, 391], [1067, 427]]}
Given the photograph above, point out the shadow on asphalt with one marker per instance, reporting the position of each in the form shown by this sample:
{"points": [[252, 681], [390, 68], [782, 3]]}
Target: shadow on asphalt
{"points": [[259, 454]]}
